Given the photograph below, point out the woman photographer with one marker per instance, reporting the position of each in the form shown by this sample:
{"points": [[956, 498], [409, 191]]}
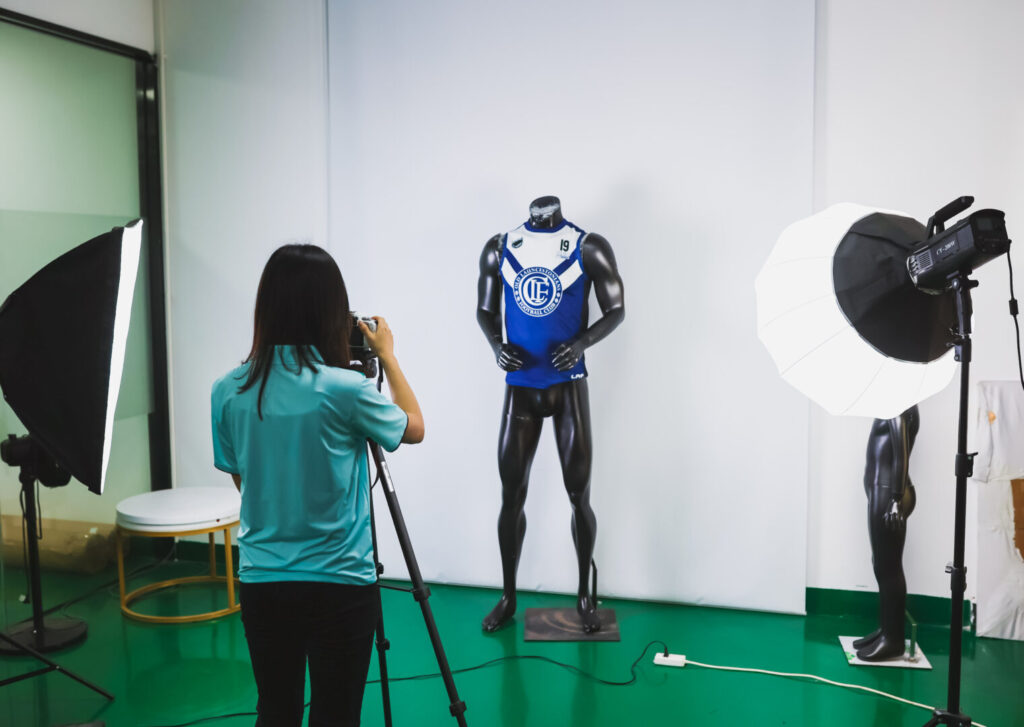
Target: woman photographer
{"points": [[290, 425]]}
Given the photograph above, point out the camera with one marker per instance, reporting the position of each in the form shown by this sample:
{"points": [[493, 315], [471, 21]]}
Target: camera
{"points": [[357, 342]]}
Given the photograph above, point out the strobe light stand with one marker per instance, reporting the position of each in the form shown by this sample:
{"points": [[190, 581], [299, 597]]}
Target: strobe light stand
{"points": [[945, 260], [899, 285], [961, 284]]}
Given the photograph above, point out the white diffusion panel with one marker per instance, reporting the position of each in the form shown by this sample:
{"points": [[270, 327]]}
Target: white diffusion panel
{"points": [[682, 132]]}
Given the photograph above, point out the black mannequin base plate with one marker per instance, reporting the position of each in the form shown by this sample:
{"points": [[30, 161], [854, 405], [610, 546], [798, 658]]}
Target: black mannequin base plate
{"points": [[563, 624]]}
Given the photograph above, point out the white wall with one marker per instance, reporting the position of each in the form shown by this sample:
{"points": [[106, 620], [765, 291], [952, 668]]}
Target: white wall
{"points": [[245, 163], [681, 132], [917, 102], [125, 21]]}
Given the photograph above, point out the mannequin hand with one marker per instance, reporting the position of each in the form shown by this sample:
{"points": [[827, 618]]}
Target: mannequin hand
{"points": [[566, 355], [510, 357], [894, 520]]}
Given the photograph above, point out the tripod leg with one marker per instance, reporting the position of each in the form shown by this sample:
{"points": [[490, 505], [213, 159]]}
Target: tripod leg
{"points": [[420, 590], [380, 639], [382, 646], [457, 707]]}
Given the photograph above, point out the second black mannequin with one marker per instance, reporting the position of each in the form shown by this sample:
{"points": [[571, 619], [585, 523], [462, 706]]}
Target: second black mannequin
{"points": [[891, 500]]}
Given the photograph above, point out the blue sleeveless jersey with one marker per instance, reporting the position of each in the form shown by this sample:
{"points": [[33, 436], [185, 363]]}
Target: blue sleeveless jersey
{"points": [[545, 299]]}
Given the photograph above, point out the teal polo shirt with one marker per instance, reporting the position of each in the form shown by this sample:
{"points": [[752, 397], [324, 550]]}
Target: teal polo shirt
{"points": [[305, 492]]}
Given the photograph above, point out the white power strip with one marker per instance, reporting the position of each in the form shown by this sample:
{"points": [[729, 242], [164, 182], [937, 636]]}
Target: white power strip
{"points": [[670, 659]]}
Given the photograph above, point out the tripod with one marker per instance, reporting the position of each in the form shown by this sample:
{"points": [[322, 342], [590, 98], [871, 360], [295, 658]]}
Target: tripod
{"points": [[961, 285], [420, 591]]}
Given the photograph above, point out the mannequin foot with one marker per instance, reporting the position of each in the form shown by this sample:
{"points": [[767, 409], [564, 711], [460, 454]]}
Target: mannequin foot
{"points": [[884, 647], [500, 614], [587, 610], [868, 640]]}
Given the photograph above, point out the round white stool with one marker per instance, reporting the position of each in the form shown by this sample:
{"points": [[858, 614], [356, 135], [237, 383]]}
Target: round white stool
{"points": [[174, 513]]}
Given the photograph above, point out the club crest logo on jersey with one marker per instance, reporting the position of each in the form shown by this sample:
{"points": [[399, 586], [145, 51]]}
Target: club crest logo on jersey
{"points": [[537, 290]]}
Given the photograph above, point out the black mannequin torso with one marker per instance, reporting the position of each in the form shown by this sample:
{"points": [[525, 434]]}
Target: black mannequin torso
{"points": [[567, 403], [599, 263]]}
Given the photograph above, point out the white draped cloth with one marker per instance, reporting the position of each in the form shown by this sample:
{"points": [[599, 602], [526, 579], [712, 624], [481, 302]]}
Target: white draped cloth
{"points": [[998, 437]]}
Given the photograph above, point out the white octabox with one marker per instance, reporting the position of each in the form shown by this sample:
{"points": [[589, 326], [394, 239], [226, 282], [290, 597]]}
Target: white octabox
{"points": [[814, 345]]}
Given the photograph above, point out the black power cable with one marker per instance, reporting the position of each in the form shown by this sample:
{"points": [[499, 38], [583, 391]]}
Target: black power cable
{"points": [[532, 657], [107, 585], [493, 662], [1014, 310]]}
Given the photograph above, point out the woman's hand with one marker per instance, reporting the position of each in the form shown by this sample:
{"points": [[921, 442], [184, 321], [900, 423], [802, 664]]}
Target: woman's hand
{"points": [[381, 341], [383, 344]]}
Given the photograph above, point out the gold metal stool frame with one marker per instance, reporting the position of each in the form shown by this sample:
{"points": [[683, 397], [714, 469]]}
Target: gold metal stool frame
{"points": [[127, 598]]}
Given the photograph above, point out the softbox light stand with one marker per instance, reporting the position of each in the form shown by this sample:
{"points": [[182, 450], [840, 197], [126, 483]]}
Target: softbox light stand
{"points": [[39, 634], [42, 634], [76, 309], [961, 286]]}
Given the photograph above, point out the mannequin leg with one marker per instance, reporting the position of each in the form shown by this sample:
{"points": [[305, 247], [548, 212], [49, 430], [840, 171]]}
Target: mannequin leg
{"points": [[517, 443], [572, 433], [867, 642], [887, 559]]}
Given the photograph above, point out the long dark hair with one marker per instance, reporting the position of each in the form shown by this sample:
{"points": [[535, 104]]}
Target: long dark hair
{"points": [[302, 301]]}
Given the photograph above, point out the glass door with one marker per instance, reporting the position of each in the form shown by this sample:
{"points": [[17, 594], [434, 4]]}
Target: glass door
{"points": [[78, 156]]}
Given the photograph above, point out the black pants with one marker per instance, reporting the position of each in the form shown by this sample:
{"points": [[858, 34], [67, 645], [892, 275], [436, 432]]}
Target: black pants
{"points": [[331, 625]]}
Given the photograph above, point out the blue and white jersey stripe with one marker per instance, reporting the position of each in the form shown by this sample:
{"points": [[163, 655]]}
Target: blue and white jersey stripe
{"points": [[545, 298]]}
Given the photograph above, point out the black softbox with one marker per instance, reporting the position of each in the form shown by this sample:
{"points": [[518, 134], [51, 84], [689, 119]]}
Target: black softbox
{"points": [[62, 343], [877, 296]]}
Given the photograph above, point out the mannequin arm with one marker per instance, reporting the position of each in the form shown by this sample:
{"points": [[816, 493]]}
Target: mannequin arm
{"points": [[895, 519], [598, 262], [488, 307], [900, 455]]}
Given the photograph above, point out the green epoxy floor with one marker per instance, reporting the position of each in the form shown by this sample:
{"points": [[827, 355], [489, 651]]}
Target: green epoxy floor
{"points": [[169, 675]]}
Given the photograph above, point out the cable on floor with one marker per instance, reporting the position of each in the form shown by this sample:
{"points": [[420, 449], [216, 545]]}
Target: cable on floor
{"points": [[104, 586], [607, 682], [493, 662], [532, 657], [820, 679]]}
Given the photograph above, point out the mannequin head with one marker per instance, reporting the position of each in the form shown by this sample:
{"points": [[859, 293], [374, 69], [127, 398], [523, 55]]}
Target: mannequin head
{"points": [[546, 212]]}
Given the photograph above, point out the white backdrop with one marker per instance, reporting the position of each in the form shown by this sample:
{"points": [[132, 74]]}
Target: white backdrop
{"points": [[682, 132]]}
